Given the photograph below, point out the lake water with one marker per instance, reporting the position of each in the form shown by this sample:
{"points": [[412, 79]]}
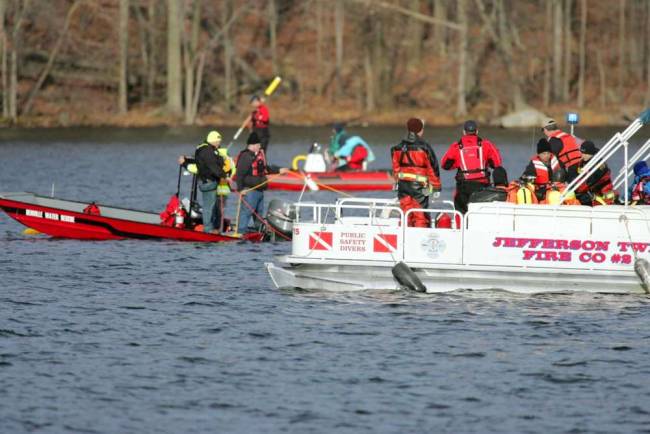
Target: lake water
{"points": [[167, 337]]}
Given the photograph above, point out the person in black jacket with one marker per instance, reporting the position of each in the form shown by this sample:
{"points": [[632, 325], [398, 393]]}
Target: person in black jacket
{"points": [[210, 169], [251, 176]]}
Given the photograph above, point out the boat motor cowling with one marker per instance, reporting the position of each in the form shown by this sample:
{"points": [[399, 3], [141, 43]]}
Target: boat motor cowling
{"points": [[280, 216]]}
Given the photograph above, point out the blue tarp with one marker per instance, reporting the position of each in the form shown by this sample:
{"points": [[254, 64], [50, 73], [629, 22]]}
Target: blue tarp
{"points": [[350, 144]]}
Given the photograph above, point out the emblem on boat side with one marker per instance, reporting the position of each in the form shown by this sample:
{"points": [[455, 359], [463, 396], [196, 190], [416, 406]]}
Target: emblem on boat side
{"points": [[433, 246]]}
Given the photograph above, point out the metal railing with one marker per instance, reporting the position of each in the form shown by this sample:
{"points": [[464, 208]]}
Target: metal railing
{"points": [[641, 155]]}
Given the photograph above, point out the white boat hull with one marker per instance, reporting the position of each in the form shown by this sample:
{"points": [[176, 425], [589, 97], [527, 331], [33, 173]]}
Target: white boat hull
{"points": [[359, 277]]}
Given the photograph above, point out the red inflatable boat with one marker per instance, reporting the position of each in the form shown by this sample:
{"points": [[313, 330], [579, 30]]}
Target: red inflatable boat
{"points": [[78, 220], [343, 181]]}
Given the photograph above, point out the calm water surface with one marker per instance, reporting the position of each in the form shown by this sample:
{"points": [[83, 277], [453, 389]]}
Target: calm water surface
{"points": [[166, 337]]}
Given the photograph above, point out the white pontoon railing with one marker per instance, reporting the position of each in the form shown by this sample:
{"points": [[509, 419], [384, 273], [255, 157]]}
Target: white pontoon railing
{"points": [[615, 143], [641, 155]]}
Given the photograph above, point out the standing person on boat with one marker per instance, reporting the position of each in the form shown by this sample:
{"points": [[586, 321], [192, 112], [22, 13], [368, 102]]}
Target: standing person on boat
{"points": [[210, 171], [542, 167], [259, 120], [415, 168], [563, 145], [598, 188], [338, 138], [251, 182], [473, 157]]}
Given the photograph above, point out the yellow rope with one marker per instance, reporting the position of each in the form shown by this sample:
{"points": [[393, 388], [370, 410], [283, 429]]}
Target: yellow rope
{"points": [[327, 187]]}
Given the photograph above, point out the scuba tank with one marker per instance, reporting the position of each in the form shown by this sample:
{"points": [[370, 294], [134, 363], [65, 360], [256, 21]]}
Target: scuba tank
{"points": [[280, 216]]}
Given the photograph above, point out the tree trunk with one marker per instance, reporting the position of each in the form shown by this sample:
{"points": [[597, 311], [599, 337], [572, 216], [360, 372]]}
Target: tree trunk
{"points": [[190, 61], [461, 107], [567, 50], [370, 85], [557, 50], [547, 60], [123, 37], [16, 42], [174, 73], [338, 29], [439, 31], [582, 59], [621, 48], [319, 47], [227, 56], [3, 53], [152, 67], [601, 75], [416, 29], [273, 39]]}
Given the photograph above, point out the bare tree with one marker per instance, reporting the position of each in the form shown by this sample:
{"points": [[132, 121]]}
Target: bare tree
{"points": [[174, 74], [273, 34], [440, 31], [557, 50], [461, 106], [568, 39], [123, 38], [416, 30], [3, 47], [339, 14], [621, 46], [227, 56], [582, 57], [193, 63]]}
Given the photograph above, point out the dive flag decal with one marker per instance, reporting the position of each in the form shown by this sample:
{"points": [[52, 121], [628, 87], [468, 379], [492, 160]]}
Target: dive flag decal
{"points": [[384, 243], [320, 241]]}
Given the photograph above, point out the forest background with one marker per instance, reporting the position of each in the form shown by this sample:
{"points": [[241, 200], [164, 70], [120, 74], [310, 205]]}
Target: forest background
{"points": [[197, 62]]}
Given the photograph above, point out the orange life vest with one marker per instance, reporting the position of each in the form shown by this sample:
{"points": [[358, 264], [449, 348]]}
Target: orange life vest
{"points": [[542, 175], [570, 153]]}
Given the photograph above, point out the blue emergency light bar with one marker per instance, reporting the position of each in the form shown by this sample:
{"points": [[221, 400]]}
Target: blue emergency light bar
{"points": [[572, 118]]}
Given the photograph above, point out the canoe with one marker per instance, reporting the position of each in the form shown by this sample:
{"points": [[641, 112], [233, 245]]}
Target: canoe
{"points": [[342, 181], [66, 219]]}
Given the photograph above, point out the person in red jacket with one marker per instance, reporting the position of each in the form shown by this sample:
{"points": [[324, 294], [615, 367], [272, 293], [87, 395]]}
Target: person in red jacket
{"points": [[259, 120], [563, 145], [355, 161], [415, 168], [473, 157]]}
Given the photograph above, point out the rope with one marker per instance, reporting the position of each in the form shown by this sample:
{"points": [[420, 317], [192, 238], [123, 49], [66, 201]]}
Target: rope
{"points": [[327, 187], [242, 200]]}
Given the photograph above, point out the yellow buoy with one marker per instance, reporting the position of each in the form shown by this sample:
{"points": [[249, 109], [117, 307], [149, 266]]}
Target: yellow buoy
{"points": [[524, 196], [553, 197], [30, 231]]}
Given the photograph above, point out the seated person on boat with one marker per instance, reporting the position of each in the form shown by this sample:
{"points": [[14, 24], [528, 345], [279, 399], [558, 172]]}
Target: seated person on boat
{"points": [[640, 190], [415, 168], [349, 153], [598, 188], [542, 167]]}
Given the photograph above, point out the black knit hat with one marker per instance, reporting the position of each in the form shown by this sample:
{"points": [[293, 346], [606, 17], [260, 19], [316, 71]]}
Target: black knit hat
{"points": [[470, 127], [543, 146], [253, 139], [588, 148]]}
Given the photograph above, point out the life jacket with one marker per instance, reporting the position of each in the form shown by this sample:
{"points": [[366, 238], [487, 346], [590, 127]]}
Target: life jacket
{"points": [[223, 189], [602, 186], [414, 164], [542, 176], [92, 209], [258, 166], [511, 191], [570, 153], [472, 162]]}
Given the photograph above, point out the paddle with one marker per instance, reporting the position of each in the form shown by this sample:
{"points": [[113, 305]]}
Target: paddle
{"points": [[269, 90]]}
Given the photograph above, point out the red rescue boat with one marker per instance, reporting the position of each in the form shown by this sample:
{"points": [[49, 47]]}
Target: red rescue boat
{"points": [[342, 181], [67, 219]]}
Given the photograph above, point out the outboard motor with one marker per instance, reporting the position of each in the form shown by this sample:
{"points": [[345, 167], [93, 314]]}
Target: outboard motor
{"points": [[280, 216]]}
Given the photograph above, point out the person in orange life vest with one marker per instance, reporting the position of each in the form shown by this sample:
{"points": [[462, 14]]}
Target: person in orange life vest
{"points": [[598, 188], [415, 168], [542, 167], [251, 172], [259, 121], [473, 156], [563, 145]]}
